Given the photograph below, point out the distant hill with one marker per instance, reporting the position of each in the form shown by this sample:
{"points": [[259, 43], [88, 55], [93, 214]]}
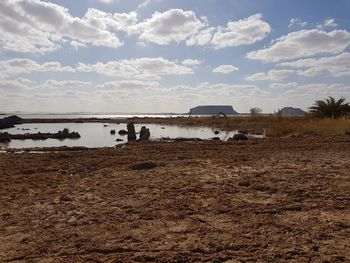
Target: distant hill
{"points": [[213, 110], [292, 111]]}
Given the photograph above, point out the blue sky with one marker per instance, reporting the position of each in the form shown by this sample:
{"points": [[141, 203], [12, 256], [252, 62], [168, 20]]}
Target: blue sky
{"points": [[169, 56]]}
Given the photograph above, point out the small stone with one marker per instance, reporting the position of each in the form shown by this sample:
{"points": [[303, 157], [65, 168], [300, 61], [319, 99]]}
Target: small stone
{"points": [[66, 198]]}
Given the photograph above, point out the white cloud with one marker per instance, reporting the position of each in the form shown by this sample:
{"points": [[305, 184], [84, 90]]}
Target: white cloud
{"points": [[128, 85], [297, 22], [16, 85], [225, 69], [149, 68], [191, 62], [108, 1], [139, 68], [61, 85], [17, 66], [146, 3], [271, 75], [303, 43], [290, 85], [202, 38], [329, 22], [242, 32], [174, 25], [40, 26], [126, 22], [335, 66], [320, 90]]}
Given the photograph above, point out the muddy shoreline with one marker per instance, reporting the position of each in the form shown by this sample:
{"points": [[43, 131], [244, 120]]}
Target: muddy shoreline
{"points": [[272, 200]]}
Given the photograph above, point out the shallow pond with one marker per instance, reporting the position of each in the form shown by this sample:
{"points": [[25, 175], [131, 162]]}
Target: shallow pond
{"points": [[94, 135]]}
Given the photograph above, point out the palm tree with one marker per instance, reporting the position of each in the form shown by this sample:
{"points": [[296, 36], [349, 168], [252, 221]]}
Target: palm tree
{"points": [[329, 108]]}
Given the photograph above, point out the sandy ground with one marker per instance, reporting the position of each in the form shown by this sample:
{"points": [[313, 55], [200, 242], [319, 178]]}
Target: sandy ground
{"points": [[272, 200]]}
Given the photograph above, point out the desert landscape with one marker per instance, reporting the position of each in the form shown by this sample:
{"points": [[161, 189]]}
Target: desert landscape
{"points": [[174, 131], [268, 200]]}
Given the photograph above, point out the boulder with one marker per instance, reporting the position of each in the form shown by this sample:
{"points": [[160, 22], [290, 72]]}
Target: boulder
{"points": [[112, 132], [216, 132], [122, 132], [9, 122], [5, 137], [131, 132], [144, 133], [239, 137]]}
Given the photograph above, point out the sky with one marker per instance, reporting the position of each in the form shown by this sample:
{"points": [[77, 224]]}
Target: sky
{"points": [[169, 56]]}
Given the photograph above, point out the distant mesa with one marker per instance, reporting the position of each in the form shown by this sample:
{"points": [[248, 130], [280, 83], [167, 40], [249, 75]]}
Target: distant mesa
{"points": [[290, 111], [213, 110]]}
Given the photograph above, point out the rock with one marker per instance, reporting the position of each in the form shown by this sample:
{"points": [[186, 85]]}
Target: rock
{"points": [[215, 139], [239, 137], [144, 133], [131, 132], [122, 132], [64, 134], [9, 122], [244, 183], [119, 140], [216, 132], [66, 198], [144, 166], [5, 137], [112, 132]]}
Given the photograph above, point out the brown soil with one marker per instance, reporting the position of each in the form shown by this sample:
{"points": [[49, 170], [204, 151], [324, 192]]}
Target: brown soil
{"points": [[272, 200]]}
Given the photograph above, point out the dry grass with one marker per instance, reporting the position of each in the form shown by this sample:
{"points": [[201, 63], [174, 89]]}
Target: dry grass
{"points": [[274, 125]]}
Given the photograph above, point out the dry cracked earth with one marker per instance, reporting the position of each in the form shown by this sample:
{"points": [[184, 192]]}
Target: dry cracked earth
{"points": [[271, 200]]}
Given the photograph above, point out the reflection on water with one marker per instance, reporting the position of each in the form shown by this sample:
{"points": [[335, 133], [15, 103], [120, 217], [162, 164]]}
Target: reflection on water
{"points": [[97, 116], [94, 135]]}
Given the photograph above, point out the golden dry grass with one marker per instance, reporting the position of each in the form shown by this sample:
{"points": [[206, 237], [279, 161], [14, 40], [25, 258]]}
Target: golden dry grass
{"points": [[275, 125]]}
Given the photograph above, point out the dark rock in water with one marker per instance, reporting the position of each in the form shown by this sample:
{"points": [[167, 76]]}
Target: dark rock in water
{"points": [[131, 132], [239, 137], [105, 125], [64, 134], [5, 137], [122, 132], [112, 132], [216, 132], [119, 140], [144, 166], [10, 122], [163, 128], [215, 139], [144, 133]]}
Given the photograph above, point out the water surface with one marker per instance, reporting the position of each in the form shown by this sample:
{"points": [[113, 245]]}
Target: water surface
{"points": [[94, 135]]}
